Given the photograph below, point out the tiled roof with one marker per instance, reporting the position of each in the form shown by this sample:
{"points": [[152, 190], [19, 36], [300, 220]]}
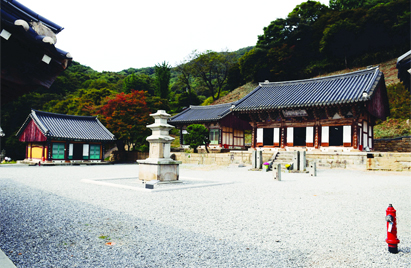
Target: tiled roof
{"points": [[14, 9], [324, 91], [404, 57], [69, 127], [202, 114]]}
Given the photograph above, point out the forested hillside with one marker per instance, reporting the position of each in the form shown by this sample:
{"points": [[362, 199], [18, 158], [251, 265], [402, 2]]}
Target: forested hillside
{"points": [[314, 39]]}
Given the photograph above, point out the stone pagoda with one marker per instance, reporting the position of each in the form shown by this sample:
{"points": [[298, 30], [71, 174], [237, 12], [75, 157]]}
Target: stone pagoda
{"points": [[159, 166]]}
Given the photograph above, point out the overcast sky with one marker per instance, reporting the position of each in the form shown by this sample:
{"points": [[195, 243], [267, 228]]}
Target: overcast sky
{"points": [[116, 35]]}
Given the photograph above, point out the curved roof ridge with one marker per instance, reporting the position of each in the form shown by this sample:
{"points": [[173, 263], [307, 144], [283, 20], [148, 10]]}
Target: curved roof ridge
{"points": [[212, 105], [30, 15], [64, 115], [325, 78]]}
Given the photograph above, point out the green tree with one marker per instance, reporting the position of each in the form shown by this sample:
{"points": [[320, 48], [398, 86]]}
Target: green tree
{"points": [[352, 4], [253, 65], [211, 69], [186, 99], [339, 40], [162, 80], [185, 76], [197, 135], [139, 82], [82, 102]]}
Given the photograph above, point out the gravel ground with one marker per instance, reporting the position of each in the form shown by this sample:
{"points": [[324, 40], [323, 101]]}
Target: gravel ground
{"points": [[50, 217]]}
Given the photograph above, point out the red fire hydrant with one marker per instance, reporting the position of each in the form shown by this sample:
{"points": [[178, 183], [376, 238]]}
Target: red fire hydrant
{"points": [[392, 239]]}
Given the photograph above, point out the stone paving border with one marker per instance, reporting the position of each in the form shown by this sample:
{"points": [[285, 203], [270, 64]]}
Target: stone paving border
{"points": [[5, 262], [103, 182]]}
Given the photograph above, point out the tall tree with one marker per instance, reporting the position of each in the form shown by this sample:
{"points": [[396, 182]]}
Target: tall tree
{"points": [[212, 69], [162, 74]]}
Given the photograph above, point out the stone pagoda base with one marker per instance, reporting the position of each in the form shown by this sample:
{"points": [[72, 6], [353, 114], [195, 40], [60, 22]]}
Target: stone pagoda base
{"points": [[163, 170]]}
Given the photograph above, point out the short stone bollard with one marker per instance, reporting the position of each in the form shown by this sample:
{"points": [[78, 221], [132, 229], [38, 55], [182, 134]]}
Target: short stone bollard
{"points": [[313, 169], [277, 172], [302, 161]]}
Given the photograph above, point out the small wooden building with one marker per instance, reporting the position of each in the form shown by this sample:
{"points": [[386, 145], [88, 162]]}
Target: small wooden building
{"points": [[226, 130], [329, 113], [64, 138]]}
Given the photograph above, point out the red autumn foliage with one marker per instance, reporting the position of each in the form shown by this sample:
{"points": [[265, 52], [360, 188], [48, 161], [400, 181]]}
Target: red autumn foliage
{"points": [[126, 116]]}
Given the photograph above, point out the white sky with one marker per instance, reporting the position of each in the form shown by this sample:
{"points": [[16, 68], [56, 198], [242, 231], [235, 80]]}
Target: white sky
{"points": [[116, 35]]}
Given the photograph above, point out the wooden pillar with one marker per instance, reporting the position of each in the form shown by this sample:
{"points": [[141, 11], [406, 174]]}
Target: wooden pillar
{"points": [[253, 136], [220, 136], [31, 151], [181, 136], [317, 137], [48, 150], [43, 152], [355, 135], [232, 135], [66, 151], [102, 146]]}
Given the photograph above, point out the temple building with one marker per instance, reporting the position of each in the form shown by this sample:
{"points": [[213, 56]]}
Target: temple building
{"points": [[327, 113], [64, 138], [226, 130]]}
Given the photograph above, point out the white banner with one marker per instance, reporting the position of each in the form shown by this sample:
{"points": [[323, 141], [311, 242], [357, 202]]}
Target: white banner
{"points": [[70, 149], [85, 149], [309, 135], [346, 134], [276, 135], [259, 135], [325, 134], [290, 135]]}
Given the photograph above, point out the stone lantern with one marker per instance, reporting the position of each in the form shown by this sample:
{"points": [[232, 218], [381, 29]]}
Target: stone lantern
{"points": [[159, 166]]}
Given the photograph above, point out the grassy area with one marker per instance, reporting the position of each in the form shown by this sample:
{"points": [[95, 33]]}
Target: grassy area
{"points": [[392, 128], [6, 163]]}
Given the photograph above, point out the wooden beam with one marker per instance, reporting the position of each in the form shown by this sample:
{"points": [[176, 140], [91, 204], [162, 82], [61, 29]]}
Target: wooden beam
{"points": [[260, 116], [328, 112], [252, 117]]}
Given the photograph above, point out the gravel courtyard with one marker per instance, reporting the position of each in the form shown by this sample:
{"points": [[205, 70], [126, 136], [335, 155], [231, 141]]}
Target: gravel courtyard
{"points": [[67, 216]]}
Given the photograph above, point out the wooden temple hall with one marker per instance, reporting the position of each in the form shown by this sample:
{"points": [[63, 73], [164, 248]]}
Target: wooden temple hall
{"points": [[64, 138], [327, 113], [225, 130]]}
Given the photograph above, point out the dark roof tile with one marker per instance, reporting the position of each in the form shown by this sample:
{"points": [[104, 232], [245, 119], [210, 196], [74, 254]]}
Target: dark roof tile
{"points": [[202, 113]]}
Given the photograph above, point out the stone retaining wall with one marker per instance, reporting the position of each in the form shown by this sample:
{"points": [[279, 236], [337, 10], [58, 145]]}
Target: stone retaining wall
{"points": [[125, 156], [393, 145], [354, 160]]}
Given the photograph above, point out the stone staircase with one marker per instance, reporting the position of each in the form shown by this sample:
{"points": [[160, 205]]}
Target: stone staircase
{"points": [[282, 158]]}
